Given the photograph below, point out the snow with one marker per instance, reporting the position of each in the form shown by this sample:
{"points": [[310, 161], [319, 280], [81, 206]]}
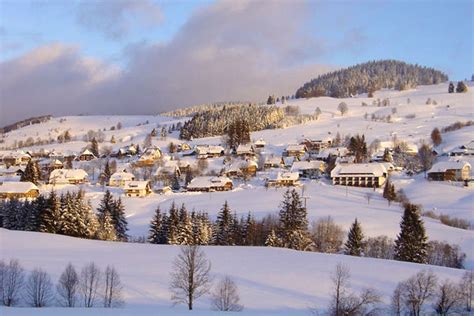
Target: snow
{"points": [[449, 165], [359, 169], [17, 187]]}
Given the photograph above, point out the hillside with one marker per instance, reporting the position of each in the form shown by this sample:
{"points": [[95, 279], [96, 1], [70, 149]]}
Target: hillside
{"points": [[271, 281], [369, 77]]}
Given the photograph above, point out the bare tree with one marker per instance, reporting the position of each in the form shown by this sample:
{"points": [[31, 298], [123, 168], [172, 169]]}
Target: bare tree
{"points": [[448, 296], [12, 277], [396, 303], [467, 286], [226, 296], [417, 290], [327, 236], [343, 108], [68, 286], [112, 288], [340, 280], [89, 284], [190, 278], [39, 289]]}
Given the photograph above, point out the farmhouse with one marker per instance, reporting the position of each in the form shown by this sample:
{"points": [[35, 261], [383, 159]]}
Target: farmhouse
{"points": [[126, 151], [284, 179], [86, 155], [295, 151], [259, 144], [241, 168], [11, 171], [309, 169], [450, 171], [120, 178], [314, 146], [68, 176], [18, 190], [464, 150], [273, 162], [208, 151], [16, 158], [245, 150], [137, 188], [210, 184], [149, 157], [359, 175]]}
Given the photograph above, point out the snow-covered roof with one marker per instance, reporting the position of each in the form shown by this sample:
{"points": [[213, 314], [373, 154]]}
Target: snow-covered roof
{"points": [[273, 160], [336, 151], [241, 164], [67, 174], [305, 165], [247, 148], [295, 147], [17, 155], [207, 182], [136, 185], [17, 187], [11, 169], [287, 176], [260, 142], [358, 169], [209, 149], [87, 152], [122, 176], [448, 165]]}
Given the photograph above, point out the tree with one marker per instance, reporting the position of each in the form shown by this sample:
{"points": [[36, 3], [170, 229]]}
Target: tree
{"points": [[447, 297], [107, 229], [32, 172], [147, 142], [354, 244], [461, 87], [112, 288], [411, 244], [343, 108], [95, 147], [38, 289], [156, 233], [466, 287], [425, 155], [271, 99], [436, 137], [387, 155], [415, 291], [224, 222], [107, 173], [326, 235], [175, 184], [68, 286], [89, 284], [273, 240], [119, 220], [112, 140], [153, 132], [190, 278], [451, 87], [12, 277], [358, 147], [389, 192], [106, 205], [49, 218], [226, 296]]}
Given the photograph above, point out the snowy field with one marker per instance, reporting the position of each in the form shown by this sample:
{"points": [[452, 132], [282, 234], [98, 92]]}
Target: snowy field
{"points": [[271, 281]]}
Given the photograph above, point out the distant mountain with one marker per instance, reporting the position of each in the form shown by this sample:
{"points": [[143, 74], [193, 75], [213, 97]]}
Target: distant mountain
{"points": [[369, 77]]}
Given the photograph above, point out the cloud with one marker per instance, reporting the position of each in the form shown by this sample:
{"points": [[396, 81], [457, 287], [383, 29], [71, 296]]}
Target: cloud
{"points": [[115, 18], [230, 50]]}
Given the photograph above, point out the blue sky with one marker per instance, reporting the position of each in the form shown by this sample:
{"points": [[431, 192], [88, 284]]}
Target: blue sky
{"points": [[148, 56]]}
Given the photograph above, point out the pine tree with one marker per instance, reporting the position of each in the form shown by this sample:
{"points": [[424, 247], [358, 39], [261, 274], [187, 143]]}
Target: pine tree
{"points": [[354, 244], [273, 240], [155, 234], [106, 205], [185, 228], [107, 230], [223, 233], [358, 147], [173, 225], [32, 172], [106, 174], [119, 220], [95, 147], [38, 206], [153, 132], [412, 243], [451, 87], [250, 231], [49, 218], [112, 140], [387, 156], [461, 87], [175, 184]]}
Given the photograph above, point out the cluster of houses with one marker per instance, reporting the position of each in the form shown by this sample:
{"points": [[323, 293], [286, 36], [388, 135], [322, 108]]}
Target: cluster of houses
{"points": [[307, 159]]}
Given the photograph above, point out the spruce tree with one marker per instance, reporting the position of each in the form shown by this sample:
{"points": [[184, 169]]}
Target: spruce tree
{"points": [[37, 207], [250, 231], [106, 205], [95, 147], [461, 87], [32, 172], [119, 220], [49, 218], [107, 230], [412, 243], [175, 184], [106, 174], [354, 244], [387, 156], [173, 225], [273, 240], [155, 233], [451, 87], [224, 226], [185, 229]]}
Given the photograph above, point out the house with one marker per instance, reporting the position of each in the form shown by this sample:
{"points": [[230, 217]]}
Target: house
{"points": [[68, 176], [149, 157], [284, 179], [16, 158], [86, 155], [126, 151], [359, 175], [295, 151], [309, 169], [170, 167], [273, 162], [12, 171], [326, 153], [259, 144], [210, 184], [208, 151], [137, 188], [241, 168], [450, 171], [18, 190], [464, 150], [120, 178], [314, 146], [245, 150], [183, 147]]}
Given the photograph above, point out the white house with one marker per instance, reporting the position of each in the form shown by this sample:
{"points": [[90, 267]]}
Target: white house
{"points": [[284, 179], [18, 190], [68, 176], [244, 150], [450, 171], [210, 184], [309, 169], [120, 178], [359, 175], [137, 188]]}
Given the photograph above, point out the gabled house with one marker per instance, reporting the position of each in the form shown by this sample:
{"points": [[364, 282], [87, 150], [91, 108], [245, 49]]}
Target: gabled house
{"points": [[16, 158], [450, 171], [241, 168], [309, 169], [18, 190], [210, 184], [12, 171], [183, 147], [137, 188], [359, 175], [314, 146], [245, 150], [208, 151], [326, 153], [149, 156], [295, 150], [120, 178], [286, 179], [259, 144], [86, 155], [273, 162], [68, 176], [464, 150]]}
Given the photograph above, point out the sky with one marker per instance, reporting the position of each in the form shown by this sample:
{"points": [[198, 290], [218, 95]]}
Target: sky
{"points": [[149, 56]]}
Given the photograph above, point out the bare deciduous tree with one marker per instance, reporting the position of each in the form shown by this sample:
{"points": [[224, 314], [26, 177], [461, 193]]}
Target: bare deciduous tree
{"points": [[190, 278], [327, 236], [226, 296], [112, 288], [39, 289], [12, 277], [67, 286], [467, 286], [89, 284], [396, 302], [417, 290], [448, 296]]}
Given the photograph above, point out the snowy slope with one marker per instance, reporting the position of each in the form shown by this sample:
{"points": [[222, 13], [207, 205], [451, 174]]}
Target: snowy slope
{"points": [[271, 281]]}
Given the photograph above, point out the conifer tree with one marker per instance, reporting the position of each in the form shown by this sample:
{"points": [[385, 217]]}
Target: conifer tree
{"points": [[49, 218], [273, 240], [105, 205], [95, 147], [451, 87], [173, 225], [106, 174], [175, 184], [461, 87], [155, 233], [354, 244], [107, 230], [250, 231], [387, 156], [185, 229], [436, 137], [119, 220], [32, 172], [224, 226], [412, 243], [38, 206]]}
